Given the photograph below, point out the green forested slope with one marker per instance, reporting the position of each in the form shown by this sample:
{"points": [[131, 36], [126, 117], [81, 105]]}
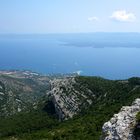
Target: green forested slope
{"points": [[109, 97]]}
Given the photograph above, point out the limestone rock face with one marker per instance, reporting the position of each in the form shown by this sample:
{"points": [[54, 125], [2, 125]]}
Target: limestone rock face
{"points": [[67, 100], [121, 125], [66, 104]]}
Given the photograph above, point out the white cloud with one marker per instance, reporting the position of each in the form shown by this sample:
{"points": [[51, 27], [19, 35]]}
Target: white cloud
{"points": [[93, 19], [123, 16]]}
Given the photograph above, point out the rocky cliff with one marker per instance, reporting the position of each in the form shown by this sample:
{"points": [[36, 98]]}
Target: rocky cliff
{"points": [[67, 100], [122, 125]]}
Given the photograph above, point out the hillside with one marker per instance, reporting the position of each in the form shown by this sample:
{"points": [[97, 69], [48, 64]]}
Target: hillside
{"points": [[21, 90], [57, 108]]}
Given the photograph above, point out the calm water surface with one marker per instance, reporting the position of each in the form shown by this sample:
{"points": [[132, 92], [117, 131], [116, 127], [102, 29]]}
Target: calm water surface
{"points": [[114, 56]]}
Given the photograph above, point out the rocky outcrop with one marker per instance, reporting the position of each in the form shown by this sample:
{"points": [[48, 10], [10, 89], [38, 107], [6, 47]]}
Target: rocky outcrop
{"points": [[121, 125], [67, 100]]}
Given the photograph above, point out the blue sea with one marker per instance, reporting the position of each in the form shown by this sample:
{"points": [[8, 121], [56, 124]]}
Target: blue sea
{"points": [[109, 55]]}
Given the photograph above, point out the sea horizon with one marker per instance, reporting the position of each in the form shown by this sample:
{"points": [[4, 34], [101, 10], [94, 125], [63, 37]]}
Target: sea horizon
{"points": [[91, 54]]}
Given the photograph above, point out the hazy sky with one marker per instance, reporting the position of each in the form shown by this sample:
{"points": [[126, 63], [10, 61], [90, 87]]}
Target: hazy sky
{"points": [[64, 16]]}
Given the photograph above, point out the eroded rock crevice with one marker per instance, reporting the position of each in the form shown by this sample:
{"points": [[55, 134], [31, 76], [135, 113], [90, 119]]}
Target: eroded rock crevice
{"points": [[136, 132]]}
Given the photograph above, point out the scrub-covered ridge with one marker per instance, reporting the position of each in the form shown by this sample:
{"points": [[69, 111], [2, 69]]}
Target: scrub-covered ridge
{"points": [[33, 106]]}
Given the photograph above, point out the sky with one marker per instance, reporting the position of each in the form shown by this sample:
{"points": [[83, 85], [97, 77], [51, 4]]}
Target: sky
{"points": [[69, 16]]}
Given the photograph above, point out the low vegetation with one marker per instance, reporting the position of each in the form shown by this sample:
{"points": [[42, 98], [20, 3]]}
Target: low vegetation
{"points": [[109, 97]]}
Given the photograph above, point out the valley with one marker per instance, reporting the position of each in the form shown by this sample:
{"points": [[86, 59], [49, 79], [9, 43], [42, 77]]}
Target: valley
{"points": [[69, 107]]}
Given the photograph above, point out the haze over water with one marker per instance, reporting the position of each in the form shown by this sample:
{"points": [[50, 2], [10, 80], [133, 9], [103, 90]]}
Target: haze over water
{"points": [[109, 55]]}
